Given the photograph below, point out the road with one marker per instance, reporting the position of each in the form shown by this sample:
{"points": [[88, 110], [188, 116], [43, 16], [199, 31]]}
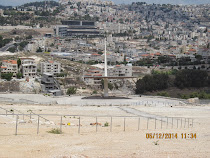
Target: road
{"points": [[6, 47]]}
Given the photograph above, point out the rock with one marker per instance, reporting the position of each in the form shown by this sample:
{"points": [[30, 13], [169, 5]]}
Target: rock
{"points": [[194, 101]]}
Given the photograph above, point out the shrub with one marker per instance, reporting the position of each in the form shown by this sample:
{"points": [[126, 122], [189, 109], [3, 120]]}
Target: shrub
{"points": [[55, 131], [72, 90], [165, 94], [106, 124], [94, 92]]}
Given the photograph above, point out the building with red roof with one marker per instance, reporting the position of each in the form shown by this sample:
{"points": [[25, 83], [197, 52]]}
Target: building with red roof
{"points": [[9, 66]]}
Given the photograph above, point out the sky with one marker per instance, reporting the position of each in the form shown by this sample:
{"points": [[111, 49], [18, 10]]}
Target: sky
{"points": [[20, 2]]}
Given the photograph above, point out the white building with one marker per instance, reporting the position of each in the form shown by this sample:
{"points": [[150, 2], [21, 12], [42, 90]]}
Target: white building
{"points": [[28, 67], [50, 67]]}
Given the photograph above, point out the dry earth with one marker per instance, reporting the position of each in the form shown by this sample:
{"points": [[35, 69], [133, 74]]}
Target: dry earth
{"points": [[130, 143]]}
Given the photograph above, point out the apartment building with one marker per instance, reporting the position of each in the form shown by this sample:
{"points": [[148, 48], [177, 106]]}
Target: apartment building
{"points": [[51, 67], [120, 70], [50, 85], [94, 82], [9, 66], [28, 67]]}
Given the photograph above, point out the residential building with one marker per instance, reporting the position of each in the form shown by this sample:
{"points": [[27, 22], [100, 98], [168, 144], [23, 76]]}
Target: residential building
{"points": [[28, 67], [9, 66], [94, 82], [50, 85], [51, 67], [120, 70]]}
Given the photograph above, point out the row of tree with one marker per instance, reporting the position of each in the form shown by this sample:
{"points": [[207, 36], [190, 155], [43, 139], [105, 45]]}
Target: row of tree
{"points": [[183, 79]]}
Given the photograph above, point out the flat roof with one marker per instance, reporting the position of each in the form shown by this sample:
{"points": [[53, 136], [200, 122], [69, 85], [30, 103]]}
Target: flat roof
{"points": [[110, 77]]}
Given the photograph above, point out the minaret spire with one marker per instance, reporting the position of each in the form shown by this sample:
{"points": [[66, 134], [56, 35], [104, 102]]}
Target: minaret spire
{"points": [[105, 61]]}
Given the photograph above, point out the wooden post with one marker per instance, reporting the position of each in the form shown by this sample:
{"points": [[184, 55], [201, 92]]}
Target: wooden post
{"points": [[147, 123], [16, 126], [167, 123], [61, 125], [30, 115], [6, 112], [161, 123], [188, 122], [38, 125], [139, 124]]}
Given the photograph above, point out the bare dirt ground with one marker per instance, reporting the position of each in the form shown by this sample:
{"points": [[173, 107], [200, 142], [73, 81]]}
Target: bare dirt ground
{"points": [[130, 143]]}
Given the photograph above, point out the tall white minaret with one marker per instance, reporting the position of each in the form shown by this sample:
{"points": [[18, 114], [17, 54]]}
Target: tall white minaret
{"points": [[105, 61], [106, 94]]}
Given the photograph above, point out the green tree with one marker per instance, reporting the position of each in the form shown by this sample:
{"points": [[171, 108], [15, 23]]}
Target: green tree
{"points": [[18, 63], [19, 75], [7, 76], [191, 78], [152, 83]]}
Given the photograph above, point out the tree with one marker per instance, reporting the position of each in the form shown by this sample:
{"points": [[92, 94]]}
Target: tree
{"points": [[19, 75], [18, 63], [191, 78], [71, 90], [152, 83], [39, 50], [7, 76]]}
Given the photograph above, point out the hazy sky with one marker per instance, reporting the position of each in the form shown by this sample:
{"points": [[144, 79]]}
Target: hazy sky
{"points": [[19, 2]]}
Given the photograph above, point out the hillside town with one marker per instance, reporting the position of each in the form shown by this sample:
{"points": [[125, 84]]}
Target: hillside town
{"points": [[65, 41]]}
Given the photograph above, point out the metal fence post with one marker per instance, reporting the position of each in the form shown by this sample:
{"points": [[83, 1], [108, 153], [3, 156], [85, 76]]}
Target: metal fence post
{"points": [[172, 123], [79, 126], [6, 112], [177, 123], [61, 125], [124, 123], [139, 124], [155, 123], [111, 125], [38, 125], [192, 122], [16, 126], [96, 124], [181, 122]]}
